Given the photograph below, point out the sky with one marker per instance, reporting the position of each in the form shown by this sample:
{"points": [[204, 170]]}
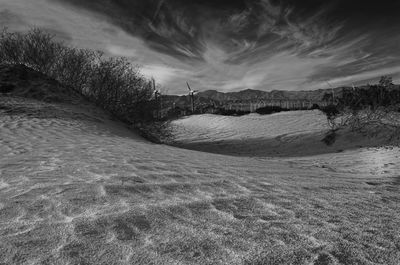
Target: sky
{"points": [[229, 45]]}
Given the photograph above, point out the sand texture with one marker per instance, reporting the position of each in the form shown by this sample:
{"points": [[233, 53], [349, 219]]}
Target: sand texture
{"points": [[284, 134], [79, 188]]}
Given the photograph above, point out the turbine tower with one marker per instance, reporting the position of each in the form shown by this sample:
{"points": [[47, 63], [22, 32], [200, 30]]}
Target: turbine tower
{"points": [[191, 95], [157, 97]]}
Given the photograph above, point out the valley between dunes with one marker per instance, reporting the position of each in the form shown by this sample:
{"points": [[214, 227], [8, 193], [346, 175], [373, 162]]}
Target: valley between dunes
{"points": [[77, 187]]}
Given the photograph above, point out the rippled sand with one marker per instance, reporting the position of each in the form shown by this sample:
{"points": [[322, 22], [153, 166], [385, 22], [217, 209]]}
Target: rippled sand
{"points": [[217, 127], [294, 133], [79, 188]]}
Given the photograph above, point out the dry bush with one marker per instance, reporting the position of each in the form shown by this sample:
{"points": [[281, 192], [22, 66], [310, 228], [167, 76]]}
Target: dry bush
{"points": [[11, 50], [73, 68], [34, 49], [335, 117], [114, 84], [368, 110], [362, 107]]}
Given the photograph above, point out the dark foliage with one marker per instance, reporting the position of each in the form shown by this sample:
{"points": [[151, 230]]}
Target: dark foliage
{"points": [[330, 111], [360, 107], [114, 84], [227, 112], [270, 109], [373, 96], [22, 81], [315, 106]]}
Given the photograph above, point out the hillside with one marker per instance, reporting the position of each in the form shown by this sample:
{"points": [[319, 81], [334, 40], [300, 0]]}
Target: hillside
{"points": [[77, 187], [22, 81]]}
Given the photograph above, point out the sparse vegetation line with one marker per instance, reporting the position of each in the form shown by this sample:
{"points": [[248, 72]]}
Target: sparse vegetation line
{"points": [[115, 84]]}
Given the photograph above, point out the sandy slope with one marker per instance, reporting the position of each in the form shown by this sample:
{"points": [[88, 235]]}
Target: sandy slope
{"points": [[217, 127], [295, 133], [79, 188]]}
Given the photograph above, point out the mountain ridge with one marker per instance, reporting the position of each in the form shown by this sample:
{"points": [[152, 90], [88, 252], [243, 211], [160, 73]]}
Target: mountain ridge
{"points": [[252, 95]]}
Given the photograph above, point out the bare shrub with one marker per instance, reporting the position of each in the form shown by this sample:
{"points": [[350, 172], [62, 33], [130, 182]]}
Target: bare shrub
{"points": [[374, 105], [35, 49], [114, 84], [74, 67], [363, 109], [335, 118], [10, 47]]}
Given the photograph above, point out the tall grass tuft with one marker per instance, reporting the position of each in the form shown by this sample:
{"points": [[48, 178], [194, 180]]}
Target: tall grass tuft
{"points": [[115, 84]]}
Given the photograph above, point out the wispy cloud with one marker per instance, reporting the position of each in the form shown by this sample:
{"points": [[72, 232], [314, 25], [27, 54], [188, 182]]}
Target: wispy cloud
{"points": [[366, 76], [260, 44], [121, 51], [164, 74]]}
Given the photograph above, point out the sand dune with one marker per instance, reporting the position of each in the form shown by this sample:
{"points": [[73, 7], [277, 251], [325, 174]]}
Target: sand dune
{"points": [[295, 133], [79, 188], [217, 127]]}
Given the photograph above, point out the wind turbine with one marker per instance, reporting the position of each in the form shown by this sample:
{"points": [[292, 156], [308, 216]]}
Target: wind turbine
{"points": [[157, 96], [191, 94], [157, 92]]}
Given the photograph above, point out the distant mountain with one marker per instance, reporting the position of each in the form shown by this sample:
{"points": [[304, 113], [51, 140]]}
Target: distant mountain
{"points": [[247, 95], [251, 95]]}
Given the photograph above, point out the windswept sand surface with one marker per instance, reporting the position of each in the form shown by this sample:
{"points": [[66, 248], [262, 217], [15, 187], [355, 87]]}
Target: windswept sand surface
{"points": [[78, 188], [294, 133], [201, 128]]}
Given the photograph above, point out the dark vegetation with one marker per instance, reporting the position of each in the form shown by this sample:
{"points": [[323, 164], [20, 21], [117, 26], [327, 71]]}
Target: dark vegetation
{"points": [[113, 84], [359, 108], [270, 110], [384, 94], [228, 112], [22, 81], [262, 111]]}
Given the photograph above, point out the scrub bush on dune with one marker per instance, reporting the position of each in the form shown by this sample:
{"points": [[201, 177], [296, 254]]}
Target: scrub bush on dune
{"points": [[34, 49], [115, 84], [365, 109]]}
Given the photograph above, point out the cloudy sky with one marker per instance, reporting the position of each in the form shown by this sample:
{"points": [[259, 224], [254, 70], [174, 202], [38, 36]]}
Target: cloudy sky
{"points": [[229, 45]]}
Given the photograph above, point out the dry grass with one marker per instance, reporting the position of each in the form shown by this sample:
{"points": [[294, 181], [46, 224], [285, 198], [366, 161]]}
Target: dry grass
{"points": [[88, 191]]}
